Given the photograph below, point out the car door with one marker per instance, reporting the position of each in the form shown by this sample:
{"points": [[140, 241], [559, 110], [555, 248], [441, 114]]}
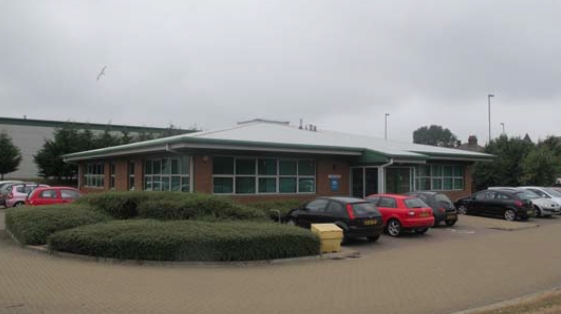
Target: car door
{"points": [[477, 204], [47, 197], [386, 206], [312, 213]]}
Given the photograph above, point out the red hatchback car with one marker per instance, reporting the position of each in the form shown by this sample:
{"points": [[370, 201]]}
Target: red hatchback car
{"points": [[52, 195], [402, 212]]}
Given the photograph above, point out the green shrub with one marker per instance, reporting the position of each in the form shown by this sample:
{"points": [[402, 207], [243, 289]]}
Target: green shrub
{"points": [[169, 206], [32, 225], [186, 240], [121, 205], [179, 206], [284, 206]]}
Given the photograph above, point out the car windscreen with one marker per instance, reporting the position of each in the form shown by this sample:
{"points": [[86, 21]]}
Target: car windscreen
{"points": [[553, 192], [414, 203], [363, 208]]}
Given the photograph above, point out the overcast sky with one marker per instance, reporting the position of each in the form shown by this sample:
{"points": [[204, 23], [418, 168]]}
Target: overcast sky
{"points": [[340, 65]]}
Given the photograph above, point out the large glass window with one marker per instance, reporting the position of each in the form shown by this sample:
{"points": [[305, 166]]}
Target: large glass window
{"points": [[439, 177], [249, 175], [94, 175], [165, 174]]}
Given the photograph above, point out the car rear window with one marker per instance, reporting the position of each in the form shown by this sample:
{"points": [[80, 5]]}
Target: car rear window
{"points": [[442, 198], [553, 192], [414, 203], [523, 195], [363, 208]]}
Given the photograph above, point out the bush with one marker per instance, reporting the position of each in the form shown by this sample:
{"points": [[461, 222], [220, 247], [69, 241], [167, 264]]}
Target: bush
{"points": [[186, 240], [284, 206], [32, 225], [169, 206], [179, 206], [121, 205]]}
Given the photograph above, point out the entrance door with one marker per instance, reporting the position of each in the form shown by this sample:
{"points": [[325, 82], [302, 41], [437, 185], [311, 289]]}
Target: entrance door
{"points": [[364, 181], [398, 180]]}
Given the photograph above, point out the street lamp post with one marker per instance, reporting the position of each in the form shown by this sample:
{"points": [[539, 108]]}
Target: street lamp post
{"points": [[503, 125], [489, 106], [386, 126]]}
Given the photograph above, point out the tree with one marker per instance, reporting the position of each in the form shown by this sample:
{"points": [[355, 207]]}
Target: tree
{"points": [[435, 135], [539, 167], [506, 169], [10, 155], [66, 140]]}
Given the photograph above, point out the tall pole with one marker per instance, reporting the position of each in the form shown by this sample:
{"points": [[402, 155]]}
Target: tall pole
{"points": [[489, 107], [503, 125], [386, 126]]}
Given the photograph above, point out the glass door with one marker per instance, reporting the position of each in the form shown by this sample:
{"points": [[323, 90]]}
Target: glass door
{"points": [[364, 181], [399, 180]]}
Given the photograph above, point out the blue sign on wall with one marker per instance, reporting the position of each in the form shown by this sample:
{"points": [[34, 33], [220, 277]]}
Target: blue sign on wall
{"points": [[334, 182]]}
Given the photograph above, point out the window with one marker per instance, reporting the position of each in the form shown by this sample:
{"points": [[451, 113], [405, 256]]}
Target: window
{"points": [[387, 202], [69, 194], [414, 203], [131, 175], [439, 177], [164, 174], [251, 175], [112, 176], [335, 209], [317, 206], [48, 194], [94, 175]]}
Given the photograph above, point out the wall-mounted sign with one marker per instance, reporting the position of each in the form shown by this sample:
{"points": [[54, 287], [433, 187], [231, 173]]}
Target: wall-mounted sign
{"points": [[334, 182]]}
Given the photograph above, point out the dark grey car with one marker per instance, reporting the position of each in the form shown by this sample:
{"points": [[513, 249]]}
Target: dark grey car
{"points": [[442, 207]]}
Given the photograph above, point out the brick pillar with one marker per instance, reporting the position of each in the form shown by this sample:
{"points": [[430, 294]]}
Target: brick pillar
{"points": [[106, 175], [202, 174], [121, 175], [138, 174]]}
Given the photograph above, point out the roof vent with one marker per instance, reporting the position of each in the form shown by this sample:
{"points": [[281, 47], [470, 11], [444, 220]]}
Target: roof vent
{"points": [[264, 121]]}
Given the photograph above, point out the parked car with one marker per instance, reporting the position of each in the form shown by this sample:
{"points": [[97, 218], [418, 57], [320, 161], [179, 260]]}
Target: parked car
{"points": [[505, 203], [542, 206], [550, 193], [403, 213], [52, 195], [355, 216], [443, 208], [4, 185], [17, 193]]}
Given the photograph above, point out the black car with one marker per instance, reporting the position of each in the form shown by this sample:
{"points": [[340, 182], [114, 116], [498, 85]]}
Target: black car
{"points": [[357, 217], [505, 203], [442, 207]]}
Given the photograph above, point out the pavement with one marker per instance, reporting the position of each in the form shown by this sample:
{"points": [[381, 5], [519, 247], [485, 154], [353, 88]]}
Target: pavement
{"points": [[455, 271]]}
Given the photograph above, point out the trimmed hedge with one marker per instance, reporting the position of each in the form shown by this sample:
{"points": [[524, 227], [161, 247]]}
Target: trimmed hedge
{"points": [[284, 206], [32, 225], [187, 240], [170, 206]]}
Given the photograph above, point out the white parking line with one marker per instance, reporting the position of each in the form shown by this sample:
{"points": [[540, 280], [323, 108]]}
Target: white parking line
{"points": [[462, 231]]}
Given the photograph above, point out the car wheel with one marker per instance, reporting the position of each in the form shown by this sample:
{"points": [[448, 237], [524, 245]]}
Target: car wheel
{"points": [[18, 204], [510, 215], [450, 223], [462, 209], [537, 211], [291, 222], [394, 228], [373, 238], [421, 231]]}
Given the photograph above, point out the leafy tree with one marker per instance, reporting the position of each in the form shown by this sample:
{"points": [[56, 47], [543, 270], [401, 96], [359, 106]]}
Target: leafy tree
{"points": [[506, 169], [435, 135], [538, 168], [126, 138], [48, 159], [10, 155], [106, 139]]}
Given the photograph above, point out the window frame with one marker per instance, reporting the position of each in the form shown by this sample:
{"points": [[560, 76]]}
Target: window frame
{"points": [[94, 175], [439, 177], [165, 174], [257, 176]]}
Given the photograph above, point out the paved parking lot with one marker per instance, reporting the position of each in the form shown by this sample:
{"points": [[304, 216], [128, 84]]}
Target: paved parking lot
{"points": [[441, 272]]}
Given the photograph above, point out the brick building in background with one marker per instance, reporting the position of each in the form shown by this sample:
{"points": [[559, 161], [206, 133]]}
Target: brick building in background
{"points": [[262, 159]]}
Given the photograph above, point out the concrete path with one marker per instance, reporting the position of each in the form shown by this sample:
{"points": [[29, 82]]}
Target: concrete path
{"points": [[440, 277]]}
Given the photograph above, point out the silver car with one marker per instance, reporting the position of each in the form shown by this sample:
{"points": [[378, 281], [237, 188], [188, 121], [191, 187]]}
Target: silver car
{"points": [[544, 207]]}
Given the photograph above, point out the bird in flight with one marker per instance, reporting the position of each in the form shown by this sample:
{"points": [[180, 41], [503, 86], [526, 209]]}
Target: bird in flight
{"points": [[102, 72]]}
